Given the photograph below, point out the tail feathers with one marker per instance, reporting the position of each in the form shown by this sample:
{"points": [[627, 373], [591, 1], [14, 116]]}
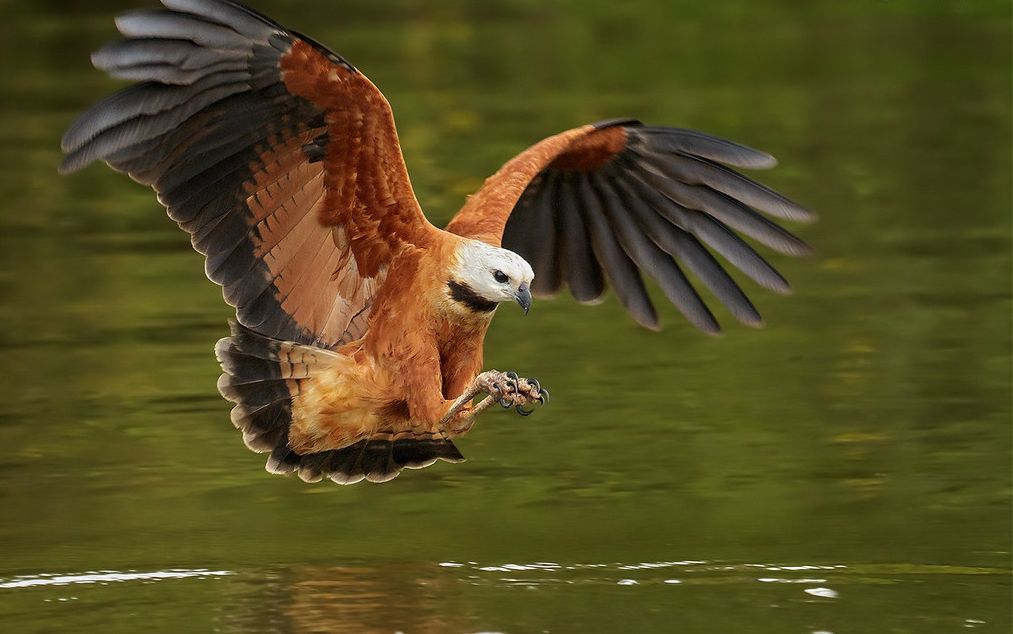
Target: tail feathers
{"points": [[265, 427], [377, 459], [262, 376], [249, 357]]}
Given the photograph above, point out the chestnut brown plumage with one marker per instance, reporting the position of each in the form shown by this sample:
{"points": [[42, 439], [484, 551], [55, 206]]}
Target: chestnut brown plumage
{"points": [[357, 350]]}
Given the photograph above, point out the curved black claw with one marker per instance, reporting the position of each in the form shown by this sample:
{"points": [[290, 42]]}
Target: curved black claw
{"points": [[543, 396], [512, 375], [534, 382], [505, 404], [522, 411]]}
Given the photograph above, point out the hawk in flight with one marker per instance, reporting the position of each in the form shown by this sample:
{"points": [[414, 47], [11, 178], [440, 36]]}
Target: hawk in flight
{"points": [[357, 346]]}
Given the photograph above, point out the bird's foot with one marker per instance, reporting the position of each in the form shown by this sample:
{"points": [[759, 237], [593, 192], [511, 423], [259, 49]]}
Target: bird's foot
{"points": [[510, 390], [505, 388]]}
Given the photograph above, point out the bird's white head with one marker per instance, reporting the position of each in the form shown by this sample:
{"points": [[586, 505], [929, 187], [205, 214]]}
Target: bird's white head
{"points": [[484, 275]]}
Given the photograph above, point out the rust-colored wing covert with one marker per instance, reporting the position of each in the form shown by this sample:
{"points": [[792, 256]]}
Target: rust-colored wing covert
{"points": [[611, 200], [278, 157]]}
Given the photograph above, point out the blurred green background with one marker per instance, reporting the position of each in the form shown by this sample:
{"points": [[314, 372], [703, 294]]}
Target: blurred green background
{"points": [[846, 469]]}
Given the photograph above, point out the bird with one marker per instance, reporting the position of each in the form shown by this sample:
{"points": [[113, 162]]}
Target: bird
{"points": [[357, 345]]}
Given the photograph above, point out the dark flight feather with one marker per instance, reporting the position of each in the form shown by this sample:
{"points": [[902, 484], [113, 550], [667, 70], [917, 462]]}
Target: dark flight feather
{"points": [[655, 262], [694, 143], [582, 272], [658, 194], [621, 271], [690, 253], [543, 252]]}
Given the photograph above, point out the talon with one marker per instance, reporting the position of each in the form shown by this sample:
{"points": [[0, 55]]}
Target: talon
{"points": [[534, 384], [512, 385], [512, 375], [543, 396], [505, 404], [522, 411]]}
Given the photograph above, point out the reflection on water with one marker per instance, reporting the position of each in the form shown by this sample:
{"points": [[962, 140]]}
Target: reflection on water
{"points": [[859, 444], [344, 598], [432, 597]]}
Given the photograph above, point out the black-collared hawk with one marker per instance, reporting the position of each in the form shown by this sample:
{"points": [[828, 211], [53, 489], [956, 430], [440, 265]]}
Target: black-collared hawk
{"points": [[357, 347]]}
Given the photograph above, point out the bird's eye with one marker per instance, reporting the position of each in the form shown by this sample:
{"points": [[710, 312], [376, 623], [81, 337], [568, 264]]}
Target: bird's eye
{"points": [[501, 277]]}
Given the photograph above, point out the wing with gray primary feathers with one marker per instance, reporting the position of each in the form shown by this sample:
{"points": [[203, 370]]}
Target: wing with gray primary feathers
{"points": [[605, 203]]}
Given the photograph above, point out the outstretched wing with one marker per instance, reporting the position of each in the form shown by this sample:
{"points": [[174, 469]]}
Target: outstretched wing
{"points": [[278, 157], [612, 199]]}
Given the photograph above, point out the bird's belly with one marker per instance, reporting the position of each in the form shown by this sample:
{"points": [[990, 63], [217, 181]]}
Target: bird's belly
{"points": [[346, 403]]}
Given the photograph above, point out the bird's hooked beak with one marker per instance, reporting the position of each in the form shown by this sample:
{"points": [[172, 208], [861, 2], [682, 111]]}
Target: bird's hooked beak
{"points": [[523, 297]]}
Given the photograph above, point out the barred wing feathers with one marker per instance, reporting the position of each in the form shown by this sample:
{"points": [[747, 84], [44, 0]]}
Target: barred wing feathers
{"points": [[277, 156]]}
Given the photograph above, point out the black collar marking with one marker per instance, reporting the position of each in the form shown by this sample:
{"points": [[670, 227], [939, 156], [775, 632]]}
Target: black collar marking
{"points": [[466, 295]]}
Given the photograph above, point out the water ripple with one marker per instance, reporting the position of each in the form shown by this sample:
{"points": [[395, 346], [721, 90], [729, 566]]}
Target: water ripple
{"points": [[699, 572], [106, 576]]}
